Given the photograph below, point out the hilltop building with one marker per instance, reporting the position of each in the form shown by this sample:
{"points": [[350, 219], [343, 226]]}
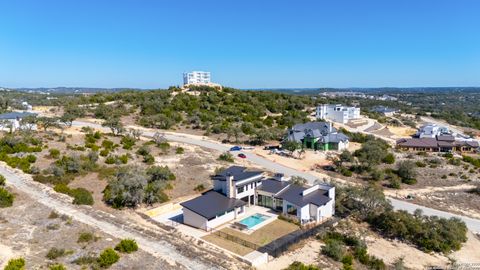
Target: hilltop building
{"points": [[196, 78], [237, 188], [337, 113], [318, 136]]}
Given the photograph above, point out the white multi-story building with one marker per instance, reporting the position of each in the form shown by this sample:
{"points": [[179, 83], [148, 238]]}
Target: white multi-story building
{"points": [[196, 77], [337, 113]]}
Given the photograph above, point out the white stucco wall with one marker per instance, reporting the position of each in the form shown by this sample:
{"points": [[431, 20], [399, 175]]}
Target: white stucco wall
{"points": [[223, 219], [193, 219]]}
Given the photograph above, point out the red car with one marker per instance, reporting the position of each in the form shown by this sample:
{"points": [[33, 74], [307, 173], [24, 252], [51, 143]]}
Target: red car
{"points": [[242, 155]]}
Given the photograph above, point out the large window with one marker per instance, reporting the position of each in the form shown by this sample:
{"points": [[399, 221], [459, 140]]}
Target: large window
{"points": [[240, 189], [265, 201]]}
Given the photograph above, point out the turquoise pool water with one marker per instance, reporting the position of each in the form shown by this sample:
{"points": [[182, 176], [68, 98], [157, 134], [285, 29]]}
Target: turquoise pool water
{"points": [[253, 220]]}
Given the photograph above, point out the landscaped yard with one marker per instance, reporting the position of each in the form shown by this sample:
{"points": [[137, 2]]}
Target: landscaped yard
{"points": [[261, 237]]}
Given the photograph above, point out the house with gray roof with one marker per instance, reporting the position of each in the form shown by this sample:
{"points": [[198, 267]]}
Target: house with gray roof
{"points": [[12, 121], [237, 188], [318, 136], [387, 111]]}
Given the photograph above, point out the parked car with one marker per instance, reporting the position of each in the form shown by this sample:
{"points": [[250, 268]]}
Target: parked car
{"points": [[271, 147], [242, 155], [236, 148]]}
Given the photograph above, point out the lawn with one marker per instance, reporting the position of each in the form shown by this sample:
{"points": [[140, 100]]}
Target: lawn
{"points": [[261, 237]]}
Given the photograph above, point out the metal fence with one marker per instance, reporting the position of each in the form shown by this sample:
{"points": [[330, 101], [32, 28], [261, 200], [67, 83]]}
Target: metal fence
{"points": [[279, 246], [237, 240]]}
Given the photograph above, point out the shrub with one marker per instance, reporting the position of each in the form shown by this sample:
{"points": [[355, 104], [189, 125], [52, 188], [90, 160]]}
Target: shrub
{"points": [[6, 198], [300, 266], [108, 145], [389, 159], [179, 150], [31, 158], [15, 264], [199, 188], [104, 152], [82, 196], [54, 153], [111, 160], [420, 164], [334, 249], [86, 237], [57, 267], [123, 159], [87, 259], [226, 157], [128, 142], [127, 246], [143, 150], [54, 253], [148, 159], [107, 258], [406, 171], [2, 180]]}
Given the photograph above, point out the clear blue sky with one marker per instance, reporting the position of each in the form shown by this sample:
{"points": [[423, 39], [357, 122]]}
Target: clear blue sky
{"points": [[245, 44]]}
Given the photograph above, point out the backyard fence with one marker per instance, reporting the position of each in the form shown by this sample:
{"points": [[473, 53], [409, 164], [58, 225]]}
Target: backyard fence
{"points": [[237, 240], [280, 245]]}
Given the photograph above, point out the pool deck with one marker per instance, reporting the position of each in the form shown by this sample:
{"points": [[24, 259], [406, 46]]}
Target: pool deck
{"points": [[250, 211]]}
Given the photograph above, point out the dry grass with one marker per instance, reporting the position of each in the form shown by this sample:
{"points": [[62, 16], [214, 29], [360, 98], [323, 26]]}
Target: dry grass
{"points": [[261, 237]]}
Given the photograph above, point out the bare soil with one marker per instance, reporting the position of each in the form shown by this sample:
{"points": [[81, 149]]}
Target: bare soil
{"points": [[30, 230]]}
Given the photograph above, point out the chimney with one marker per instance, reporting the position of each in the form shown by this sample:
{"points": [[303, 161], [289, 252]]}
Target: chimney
{"points": [[280, 177], [329, 127], [230, 186]]}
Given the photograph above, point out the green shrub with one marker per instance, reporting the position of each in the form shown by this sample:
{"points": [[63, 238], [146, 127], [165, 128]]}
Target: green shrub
{"points": [[6, 198], [226, 157], [2, 180], [80, 196], [389, 158], [420, 164], [87, 259], [128, 142], [107, 258], [15, 264], [31, 158], [54, 253], [108, 145], [86, 237], [111, 159], [300, 266], [334, 249], [57, 267], [54, 153], [143, 150], [179, 150], [104, 152], [148, 159], [123, 159], [127, 246], [199, 188]]}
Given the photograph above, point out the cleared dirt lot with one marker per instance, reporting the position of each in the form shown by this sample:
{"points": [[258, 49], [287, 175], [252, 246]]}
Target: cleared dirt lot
{"points": [[30, 230]]}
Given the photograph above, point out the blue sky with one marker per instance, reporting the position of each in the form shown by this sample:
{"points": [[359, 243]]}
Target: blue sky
{"points": [[245, 44]]}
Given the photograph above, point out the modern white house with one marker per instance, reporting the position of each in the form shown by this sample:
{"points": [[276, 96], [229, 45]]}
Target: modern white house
{"points": [[237, 188], [432, 131], [13, 120], [196, 78], [337, 113], [318, 136]]}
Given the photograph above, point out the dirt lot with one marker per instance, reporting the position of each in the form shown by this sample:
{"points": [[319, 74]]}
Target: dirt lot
{"points": [[30, 230]]}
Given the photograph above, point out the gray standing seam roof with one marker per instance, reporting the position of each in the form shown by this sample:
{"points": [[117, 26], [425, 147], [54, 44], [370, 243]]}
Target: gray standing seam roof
{"points": [[272, 186], [15, 115], [315, 130], [211, 204], [293, 194], [239, 173]]}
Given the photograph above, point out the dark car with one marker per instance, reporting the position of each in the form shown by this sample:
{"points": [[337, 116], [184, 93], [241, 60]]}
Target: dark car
{"points": [[242, 155]]}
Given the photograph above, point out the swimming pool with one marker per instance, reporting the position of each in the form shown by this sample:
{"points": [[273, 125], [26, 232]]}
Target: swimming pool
{"points": [[253, 220]]}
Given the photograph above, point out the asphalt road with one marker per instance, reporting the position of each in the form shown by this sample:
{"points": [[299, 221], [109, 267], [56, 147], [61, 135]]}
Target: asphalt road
{"points": [[472, 224]]}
